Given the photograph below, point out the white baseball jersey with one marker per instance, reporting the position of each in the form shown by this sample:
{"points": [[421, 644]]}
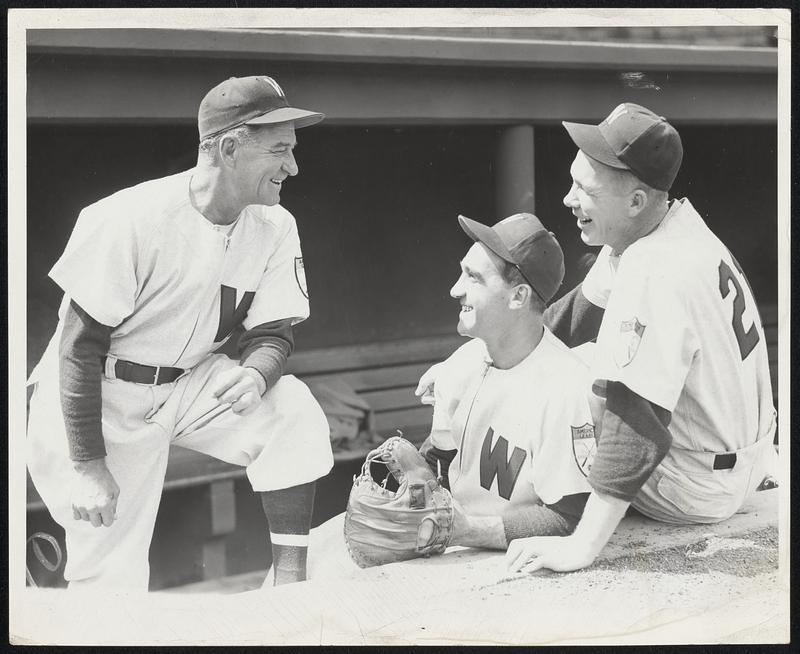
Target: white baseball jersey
{"points": [[681, 329], [523, 434], [173, 285]]}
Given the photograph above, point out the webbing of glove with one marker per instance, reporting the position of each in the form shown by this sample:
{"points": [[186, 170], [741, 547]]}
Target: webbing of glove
{"points": [[381, 526]]}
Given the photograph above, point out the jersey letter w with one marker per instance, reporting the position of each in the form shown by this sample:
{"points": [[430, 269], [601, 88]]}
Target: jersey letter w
{"points": [[229, 314], [495, 463]]}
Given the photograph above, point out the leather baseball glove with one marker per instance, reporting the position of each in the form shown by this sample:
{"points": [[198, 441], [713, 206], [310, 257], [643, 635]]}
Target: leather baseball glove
{"points": [[381, 526]]}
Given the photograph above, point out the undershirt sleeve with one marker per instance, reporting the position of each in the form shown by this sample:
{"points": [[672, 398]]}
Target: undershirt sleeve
{"points": [[438, 460], [573, 319], [633, 441], [266, 348], [84, 343], [559, 519]]}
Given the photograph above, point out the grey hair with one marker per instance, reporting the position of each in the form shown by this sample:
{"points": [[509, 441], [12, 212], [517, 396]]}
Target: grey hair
{"points": [[243, 134]]}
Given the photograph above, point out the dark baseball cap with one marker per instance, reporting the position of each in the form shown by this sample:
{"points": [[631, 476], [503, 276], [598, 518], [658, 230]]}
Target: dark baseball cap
{"points": [[523, 241], [633, 138], [256, 100]]}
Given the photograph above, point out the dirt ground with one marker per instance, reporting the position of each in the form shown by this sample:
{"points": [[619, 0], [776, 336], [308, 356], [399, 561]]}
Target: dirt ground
{"points": [[654, 584]]}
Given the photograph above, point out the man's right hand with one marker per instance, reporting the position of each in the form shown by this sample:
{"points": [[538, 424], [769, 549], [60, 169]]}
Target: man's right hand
{"points": [[94, 493], [424, 390]]}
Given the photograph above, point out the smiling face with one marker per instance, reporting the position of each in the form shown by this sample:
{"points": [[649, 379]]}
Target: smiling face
{"points": [[264, 162], [483, 293], [600, 199]]}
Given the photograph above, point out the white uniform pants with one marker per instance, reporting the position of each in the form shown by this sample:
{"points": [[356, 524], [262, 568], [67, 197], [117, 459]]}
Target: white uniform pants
{"points": [[704, 496], [283, 443]]}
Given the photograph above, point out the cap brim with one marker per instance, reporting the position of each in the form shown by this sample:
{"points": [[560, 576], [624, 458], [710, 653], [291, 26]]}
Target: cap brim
{"points": [[481, 233], [591, 142], [300, 117]]}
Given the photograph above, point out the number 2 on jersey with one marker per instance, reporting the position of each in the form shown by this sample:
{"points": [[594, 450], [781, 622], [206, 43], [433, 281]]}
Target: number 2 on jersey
{"points": [[745, 339]]}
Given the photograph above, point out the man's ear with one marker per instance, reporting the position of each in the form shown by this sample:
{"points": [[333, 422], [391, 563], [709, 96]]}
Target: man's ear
{"points": [[520, 296], [638, 202], [228, 148]]}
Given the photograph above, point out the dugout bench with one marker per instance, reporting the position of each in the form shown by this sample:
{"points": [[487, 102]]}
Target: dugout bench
{"points": [[209, 520]]}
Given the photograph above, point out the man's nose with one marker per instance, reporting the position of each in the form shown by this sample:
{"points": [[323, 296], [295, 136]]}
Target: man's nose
{"points": [[457, 291], [571, 198], [290, 164]]}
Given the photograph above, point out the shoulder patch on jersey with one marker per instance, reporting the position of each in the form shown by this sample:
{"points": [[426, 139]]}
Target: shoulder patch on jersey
{"points": [[628, 339], [300, 275], [584, 446]]}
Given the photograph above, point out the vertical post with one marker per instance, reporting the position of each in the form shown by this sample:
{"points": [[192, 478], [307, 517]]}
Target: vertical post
{"points": [[223, 522], [514, 171]]}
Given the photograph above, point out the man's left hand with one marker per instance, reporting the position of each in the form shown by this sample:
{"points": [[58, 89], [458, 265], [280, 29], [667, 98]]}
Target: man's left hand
{"points": [[240, 387], [558, 553]]}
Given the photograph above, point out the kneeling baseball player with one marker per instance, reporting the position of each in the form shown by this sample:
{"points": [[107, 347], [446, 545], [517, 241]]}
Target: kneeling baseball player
{"points": [[512, 436]]}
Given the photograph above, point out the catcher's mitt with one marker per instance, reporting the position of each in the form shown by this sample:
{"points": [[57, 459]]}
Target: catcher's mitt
{"points": [[381, 526]]}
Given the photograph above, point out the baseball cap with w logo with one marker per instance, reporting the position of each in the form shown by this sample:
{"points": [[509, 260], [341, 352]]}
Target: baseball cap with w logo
{"points": [[633, 138], [523, 241], [256, 100]]}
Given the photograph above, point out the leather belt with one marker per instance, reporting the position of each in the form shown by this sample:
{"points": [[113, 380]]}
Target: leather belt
{"points": [[141, 374], [725, 461]]}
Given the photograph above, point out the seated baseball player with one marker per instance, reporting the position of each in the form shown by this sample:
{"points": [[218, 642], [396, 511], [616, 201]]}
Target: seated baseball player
{"points": [[680, 362], [512, 434], [155, 279]]}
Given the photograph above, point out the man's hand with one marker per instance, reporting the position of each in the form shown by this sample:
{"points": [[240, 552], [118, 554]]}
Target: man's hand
{"points": [[94, 493], [240, 387], [558, 553], [426, 383]]}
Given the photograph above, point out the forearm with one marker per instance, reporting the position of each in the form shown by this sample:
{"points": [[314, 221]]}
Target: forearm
{"points": [[600, 519], [479, 531], [84, 342], [496, 532], [266, 349]]}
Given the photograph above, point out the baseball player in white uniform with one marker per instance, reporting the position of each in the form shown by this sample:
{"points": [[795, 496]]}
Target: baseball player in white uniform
{"points": [[155, 279], [513, 434], [680, 359], [516, 451]]}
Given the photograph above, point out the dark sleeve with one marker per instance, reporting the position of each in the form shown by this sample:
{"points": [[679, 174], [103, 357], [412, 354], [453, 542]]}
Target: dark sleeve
{"points": [[633, 441], [439, 460], [84, 343], [266, 348], [559, 519], [573, 319]]}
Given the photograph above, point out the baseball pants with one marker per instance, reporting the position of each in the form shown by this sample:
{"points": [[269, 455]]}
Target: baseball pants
{"points": [[284, 442], [702, 495]]}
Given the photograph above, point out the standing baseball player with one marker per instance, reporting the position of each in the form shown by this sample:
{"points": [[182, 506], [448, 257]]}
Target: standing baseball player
{"points": [[680, 359], [155, 279]]}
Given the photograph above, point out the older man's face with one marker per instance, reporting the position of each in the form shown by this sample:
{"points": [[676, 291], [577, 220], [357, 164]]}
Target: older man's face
{"points": [[263, 165], [600, 207]]}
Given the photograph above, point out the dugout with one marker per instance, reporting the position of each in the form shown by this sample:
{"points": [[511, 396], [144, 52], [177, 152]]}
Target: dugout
{"points": [[419, 129]]}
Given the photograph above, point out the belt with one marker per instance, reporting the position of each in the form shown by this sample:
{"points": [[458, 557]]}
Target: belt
{"points": [[689, 460], [725, 461], [141, 374]]}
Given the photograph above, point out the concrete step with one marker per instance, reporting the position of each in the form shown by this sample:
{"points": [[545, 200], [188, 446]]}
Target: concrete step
{"points": [[746, 541]]}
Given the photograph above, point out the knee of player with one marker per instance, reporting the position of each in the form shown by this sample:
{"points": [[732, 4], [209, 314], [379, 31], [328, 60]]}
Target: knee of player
{"points": [[293, 397]]}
